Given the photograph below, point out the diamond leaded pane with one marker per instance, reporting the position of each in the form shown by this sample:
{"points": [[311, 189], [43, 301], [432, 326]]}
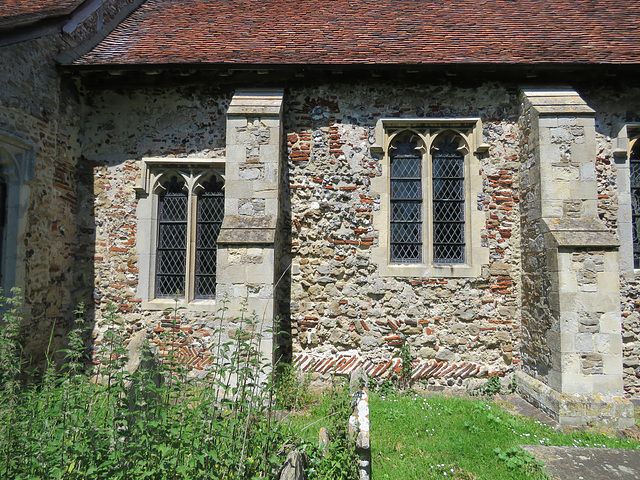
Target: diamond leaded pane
{"points": [[448, 189], [406, 189], [211, 207], [406, 202], [447, 165], [174, 207], [172, 235], [450, 233], [403, 232], [171, 252], [171, 262], [448, 253], [406, 211], [635, 201], [405, 166], [209, 220], [169, 286], [448, 211], [448, 203], [403, 253]]}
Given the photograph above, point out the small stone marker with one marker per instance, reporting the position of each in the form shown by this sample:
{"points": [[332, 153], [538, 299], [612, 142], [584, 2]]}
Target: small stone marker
{"points": [[294, 466], [324, 441], [359, 424]]}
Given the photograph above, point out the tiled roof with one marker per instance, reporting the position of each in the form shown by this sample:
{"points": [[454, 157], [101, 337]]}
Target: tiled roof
{"points": [[18, 11], [334, 32]]}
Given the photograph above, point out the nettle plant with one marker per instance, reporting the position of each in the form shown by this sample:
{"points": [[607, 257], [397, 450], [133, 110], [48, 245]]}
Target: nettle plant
{"points": [[154, 423]]}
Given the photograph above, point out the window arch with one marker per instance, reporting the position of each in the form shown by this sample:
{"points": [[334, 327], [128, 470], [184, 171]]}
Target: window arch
{"points": [[430, 181], [17, 169], [171, 252], [406, 199], [448, 198], [182, 208], [427, 198], [190, 213], [209, 216]]}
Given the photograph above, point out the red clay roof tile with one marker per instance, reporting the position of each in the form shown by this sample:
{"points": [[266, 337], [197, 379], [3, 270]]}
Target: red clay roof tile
{"points": [[17, 11], [272, 32]]}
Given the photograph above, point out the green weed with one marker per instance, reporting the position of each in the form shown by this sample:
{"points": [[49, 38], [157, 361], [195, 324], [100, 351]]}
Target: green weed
{"points": [[155, 423]]}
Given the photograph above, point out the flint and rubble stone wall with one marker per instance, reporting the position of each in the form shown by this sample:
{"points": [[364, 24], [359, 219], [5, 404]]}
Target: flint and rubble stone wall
{"points": [[38, 108], [339, 301], [119, 129]]}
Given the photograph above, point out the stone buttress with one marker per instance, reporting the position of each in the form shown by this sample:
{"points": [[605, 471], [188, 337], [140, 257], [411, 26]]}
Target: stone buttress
{"points": [[571, 347], [247, 267]]}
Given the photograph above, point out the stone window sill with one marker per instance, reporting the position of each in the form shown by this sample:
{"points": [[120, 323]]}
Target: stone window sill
{"points": [[192, 306], [430, 271]]}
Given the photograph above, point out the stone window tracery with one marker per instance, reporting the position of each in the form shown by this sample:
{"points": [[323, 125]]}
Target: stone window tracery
{"points": [[181, 208], [439, 188], [17, 169], [426, 224]]}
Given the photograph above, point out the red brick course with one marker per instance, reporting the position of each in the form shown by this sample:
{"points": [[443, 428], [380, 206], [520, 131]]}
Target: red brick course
{"points": [[345, 364]]}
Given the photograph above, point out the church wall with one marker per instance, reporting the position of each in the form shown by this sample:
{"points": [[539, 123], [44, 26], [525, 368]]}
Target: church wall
{"points": [[39, 110], [340, 302], [120, 128]]}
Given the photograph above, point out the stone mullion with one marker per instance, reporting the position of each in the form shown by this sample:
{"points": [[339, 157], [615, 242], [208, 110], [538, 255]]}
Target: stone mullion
{"points": [[190, 268], [427, 189]]}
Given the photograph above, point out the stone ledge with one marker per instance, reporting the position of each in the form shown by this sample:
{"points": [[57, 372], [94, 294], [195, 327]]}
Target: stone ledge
{"points": [[574, 409], [238, 229], [259, 102], [578, 232], [557, 102]]}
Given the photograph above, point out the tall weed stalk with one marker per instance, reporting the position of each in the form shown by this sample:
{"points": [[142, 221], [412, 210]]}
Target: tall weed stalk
{"points": [[154, 422]]}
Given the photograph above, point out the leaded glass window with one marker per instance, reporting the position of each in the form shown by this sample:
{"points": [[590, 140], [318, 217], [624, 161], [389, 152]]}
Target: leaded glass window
{"points": [[210, 213], [190, 214], [427, 201], [171, 253], [447, 180], [635, 201], [406, 202]]}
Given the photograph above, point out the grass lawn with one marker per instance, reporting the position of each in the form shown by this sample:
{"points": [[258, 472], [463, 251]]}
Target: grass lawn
{"points": [[416, 437]]}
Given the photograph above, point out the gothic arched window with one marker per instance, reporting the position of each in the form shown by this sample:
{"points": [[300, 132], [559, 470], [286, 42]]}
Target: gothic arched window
{"points": [[406, 201], [447, 179], [208, 222], [427, 201], [190, 213]]}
